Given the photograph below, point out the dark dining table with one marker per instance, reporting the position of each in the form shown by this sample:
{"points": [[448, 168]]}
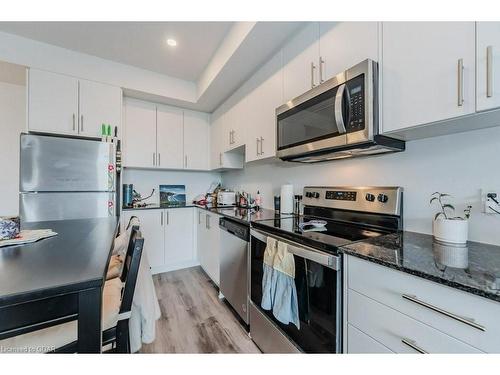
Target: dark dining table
{"points": [[57, 279]]}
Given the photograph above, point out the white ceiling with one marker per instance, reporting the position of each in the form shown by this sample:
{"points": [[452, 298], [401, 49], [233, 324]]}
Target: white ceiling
{"points": [[140, 44]]}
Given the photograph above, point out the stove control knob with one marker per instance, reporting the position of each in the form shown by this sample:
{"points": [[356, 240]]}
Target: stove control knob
{"points": [[308, 194], [370, 197], [315, 195], [382, 198]]}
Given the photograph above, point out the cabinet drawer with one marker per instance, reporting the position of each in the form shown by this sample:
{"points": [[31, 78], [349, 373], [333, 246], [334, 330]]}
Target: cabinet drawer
{"points": [[467, 317], [397, 331], [360, 343]]}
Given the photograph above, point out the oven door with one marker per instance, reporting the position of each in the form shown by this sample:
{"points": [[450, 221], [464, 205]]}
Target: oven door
{"points": [[319, 291]]}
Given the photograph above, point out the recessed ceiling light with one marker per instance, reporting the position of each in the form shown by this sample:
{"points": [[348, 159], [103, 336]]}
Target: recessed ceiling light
{"points": [[171, 42]]}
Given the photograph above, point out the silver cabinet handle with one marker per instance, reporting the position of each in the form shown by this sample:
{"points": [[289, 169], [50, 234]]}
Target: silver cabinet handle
{"points": [[412, 344], [489, 71], [339, 102], [74, 121], [230, 137], [81, 122], [469, 321], [321, 64], [460, 82], [257, 150], [168, 218], [220, 159], [207, 221], [234, 133], [154, 158], [313, 68], [159, 159], [161, 218], [185, 161], [199, 217], [261, 146]]}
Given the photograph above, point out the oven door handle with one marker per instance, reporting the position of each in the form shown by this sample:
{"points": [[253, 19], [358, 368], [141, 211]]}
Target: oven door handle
{"points": [[328, 260], [339, 103]]}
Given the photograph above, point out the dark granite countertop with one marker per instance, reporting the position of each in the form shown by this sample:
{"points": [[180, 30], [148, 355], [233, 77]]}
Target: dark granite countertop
{"points": [[242, 215], [157, 207], [474, 268]]}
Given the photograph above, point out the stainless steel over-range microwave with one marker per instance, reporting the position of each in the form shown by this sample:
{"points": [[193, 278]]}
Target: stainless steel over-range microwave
{"points": [[335, 120]]}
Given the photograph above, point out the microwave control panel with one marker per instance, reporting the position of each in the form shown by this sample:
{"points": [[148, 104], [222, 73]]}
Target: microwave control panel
{"points": [[356, 97]]}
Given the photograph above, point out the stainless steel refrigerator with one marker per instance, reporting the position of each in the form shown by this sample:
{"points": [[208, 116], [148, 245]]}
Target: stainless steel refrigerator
{"points": [[66, 178]]}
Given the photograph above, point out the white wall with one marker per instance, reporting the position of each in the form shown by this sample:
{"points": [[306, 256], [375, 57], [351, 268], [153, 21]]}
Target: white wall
{"points": [[12, 122], [459, 164], [145, 180]]}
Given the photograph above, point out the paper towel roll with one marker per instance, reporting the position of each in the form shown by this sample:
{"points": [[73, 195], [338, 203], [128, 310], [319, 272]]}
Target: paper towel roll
{"points": [[286, 199]]}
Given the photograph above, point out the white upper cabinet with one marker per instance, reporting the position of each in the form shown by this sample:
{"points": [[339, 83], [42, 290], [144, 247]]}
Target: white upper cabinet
{"points": [[301, 62], [140, 134], [99, 104], [234, 123], [267, 96], [169, 137], [428, 72], [65, 105], [196, 136], [345, 44], [220, 157], [53, 103], [488, 65]]}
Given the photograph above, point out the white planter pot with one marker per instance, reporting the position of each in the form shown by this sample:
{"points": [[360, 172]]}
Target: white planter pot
{"points": [[451, 231]]}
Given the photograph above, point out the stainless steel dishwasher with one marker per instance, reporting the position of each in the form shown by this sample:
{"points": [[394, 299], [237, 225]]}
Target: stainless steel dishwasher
{"points": [[234, 273]]}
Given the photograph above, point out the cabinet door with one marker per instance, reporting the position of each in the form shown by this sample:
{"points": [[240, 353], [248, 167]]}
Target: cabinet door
{"points": [[488, 65], [301, 58], [99, 104], [216, 143], [203, 240], [196, 140], [345, 44], [421, 78], [213, 267], [170, 139], [140, 134], [267, 96], [152, 230], [179, 237], [234, 120], [53, 103]]}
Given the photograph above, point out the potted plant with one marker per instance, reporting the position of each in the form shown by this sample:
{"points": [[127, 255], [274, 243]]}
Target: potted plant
{"points": [[446, 227]]}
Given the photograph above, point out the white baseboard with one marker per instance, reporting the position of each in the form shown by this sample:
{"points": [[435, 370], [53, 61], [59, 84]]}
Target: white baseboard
{"points": [[174, 267]]}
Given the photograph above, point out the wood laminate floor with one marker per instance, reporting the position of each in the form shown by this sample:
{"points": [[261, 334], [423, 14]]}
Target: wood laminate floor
{"points": [[193, 319]]}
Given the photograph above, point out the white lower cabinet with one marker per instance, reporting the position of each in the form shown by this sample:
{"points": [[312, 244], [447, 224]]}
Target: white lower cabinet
{"points": [[391, 306], [208, 243], [397, 331], [168, 237], [360, 343]]}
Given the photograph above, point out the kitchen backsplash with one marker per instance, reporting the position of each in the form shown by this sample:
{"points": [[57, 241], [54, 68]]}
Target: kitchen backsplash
{"points": [[459, 164], [146, 180]]}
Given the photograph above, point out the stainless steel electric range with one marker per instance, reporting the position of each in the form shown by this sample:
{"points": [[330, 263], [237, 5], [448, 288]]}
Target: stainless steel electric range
{"points": [[344, 215]]}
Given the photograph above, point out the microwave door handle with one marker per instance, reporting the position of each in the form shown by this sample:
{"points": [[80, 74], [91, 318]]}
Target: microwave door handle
{"points": [[339, 101]]}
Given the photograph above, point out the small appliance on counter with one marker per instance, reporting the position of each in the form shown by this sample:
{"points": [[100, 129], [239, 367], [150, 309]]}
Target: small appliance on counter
{"points": [[226, 198]]}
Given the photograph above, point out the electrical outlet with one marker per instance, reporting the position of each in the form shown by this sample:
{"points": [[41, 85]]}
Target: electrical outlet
{"points": [[490, 198]]}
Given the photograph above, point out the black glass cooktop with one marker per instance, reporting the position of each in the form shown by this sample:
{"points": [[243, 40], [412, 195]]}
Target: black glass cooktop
{"points": [[333, 235]]}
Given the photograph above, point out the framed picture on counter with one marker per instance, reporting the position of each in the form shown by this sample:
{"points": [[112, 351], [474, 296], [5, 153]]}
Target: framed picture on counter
{"points": [[172, 195]]}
